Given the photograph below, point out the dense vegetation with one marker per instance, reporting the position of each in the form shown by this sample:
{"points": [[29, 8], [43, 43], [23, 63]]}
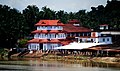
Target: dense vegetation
{"points": [[15, 25]]}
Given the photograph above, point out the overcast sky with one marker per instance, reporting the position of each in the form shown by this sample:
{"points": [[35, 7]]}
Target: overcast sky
{"points": [[66, 5]]}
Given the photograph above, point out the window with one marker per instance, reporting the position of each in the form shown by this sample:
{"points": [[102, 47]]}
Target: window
{"points": [[36, 36], [85, 34], [43, 27], [56, 28], [80, 40], [88, 34], [38, 28], [91, 40], [59, 28], [103, 40], [107, 39], [79, 34]]}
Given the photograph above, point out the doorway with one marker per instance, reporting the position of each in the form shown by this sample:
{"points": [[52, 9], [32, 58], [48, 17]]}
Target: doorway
{"points": [[41, 46]]}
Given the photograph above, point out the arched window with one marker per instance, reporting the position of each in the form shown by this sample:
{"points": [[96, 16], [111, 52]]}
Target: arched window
{"points": [[103, 39], [108, 39]]}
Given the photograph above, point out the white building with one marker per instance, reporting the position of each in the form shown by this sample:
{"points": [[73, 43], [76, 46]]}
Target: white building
{"points": [[53, 33]]}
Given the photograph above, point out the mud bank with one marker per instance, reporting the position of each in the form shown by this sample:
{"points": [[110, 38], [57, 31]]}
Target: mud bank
{"points": [[73, 58]]}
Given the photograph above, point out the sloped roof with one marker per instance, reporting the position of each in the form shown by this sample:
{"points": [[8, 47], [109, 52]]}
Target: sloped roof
{"points": [[36, 31], [103, 25], [73, 21], [49, 23], [44, 41], [54, 31], [67, 28], [34, 41], [55, 41], [71, 28]]}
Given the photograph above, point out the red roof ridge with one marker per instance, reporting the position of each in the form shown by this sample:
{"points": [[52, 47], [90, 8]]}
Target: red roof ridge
{"points": [[49, 23]]}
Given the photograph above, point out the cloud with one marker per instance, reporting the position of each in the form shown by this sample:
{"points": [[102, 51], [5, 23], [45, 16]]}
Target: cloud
{"points": [[67, 5]]}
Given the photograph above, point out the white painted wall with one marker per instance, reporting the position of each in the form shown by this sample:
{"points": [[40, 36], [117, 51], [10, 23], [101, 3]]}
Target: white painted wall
{"points": [[50, 36], [50, 46], [101, 27], [33, 46], [107, 40], [49, 28], [111, 32], [46, 46], [98, 34]]}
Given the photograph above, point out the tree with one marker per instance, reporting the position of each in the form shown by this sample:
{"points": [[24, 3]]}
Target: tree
{"points": [[31, 16], [47, 13], [11, 22], [62, 16]]}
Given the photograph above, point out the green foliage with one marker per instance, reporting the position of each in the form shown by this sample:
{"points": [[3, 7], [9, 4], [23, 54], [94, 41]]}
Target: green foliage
{"points": [[11, 24], [3, 52], [22, 42], [31, 17]]}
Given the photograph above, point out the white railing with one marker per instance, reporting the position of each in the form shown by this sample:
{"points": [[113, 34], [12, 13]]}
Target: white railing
{"points": [[49, 28], [50, 36]]}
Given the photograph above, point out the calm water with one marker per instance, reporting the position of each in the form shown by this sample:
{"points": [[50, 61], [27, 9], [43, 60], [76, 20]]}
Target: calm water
{"points": [[41, 65]]}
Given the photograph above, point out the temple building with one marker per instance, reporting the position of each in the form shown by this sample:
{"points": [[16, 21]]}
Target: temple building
{"points": [[53, 33]]}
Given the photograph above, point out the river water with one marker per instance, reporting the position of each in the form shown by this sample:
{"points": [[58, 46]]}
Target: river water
{"points": [[36, 64]]}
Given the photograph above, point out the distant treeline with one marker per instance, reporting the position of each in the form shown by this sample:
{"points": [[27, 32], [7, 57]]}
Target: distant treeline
{"points": [[15, 25]]}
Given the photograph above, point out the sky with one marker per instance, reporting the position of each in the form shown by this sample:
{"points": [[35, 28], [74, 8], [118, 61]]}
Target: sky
{"points": [[56, 5]]}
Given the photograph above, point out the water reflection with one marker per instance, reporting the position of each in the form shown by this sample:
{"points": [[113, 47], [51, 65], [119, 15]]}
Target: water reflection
{"points": [[36, 64]]}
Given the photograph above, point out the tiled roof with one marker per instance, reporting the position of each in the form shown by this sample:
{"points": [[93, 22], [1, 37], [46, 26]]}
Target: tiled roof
{"points": [[87, 37], [36, 31], [49, 23], [112, 50], [73, 21], [63, 42], [71, 28], [44, 41], [67, 28], [103, 24], [101, 48], [34, 41], [55, 41], [56, 31], [66, 42]]}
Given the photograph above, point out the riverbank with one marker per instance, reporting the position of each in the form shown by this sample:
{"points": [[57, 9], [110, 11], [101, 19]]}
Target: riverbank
{"points": [[72, 58]]}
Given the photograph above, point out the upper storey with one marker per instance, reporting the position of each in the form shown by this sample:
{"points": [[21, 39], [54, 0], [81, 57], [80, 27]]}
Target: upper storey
{"points": [[103, 27], [49, 25], [75, 22]]}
